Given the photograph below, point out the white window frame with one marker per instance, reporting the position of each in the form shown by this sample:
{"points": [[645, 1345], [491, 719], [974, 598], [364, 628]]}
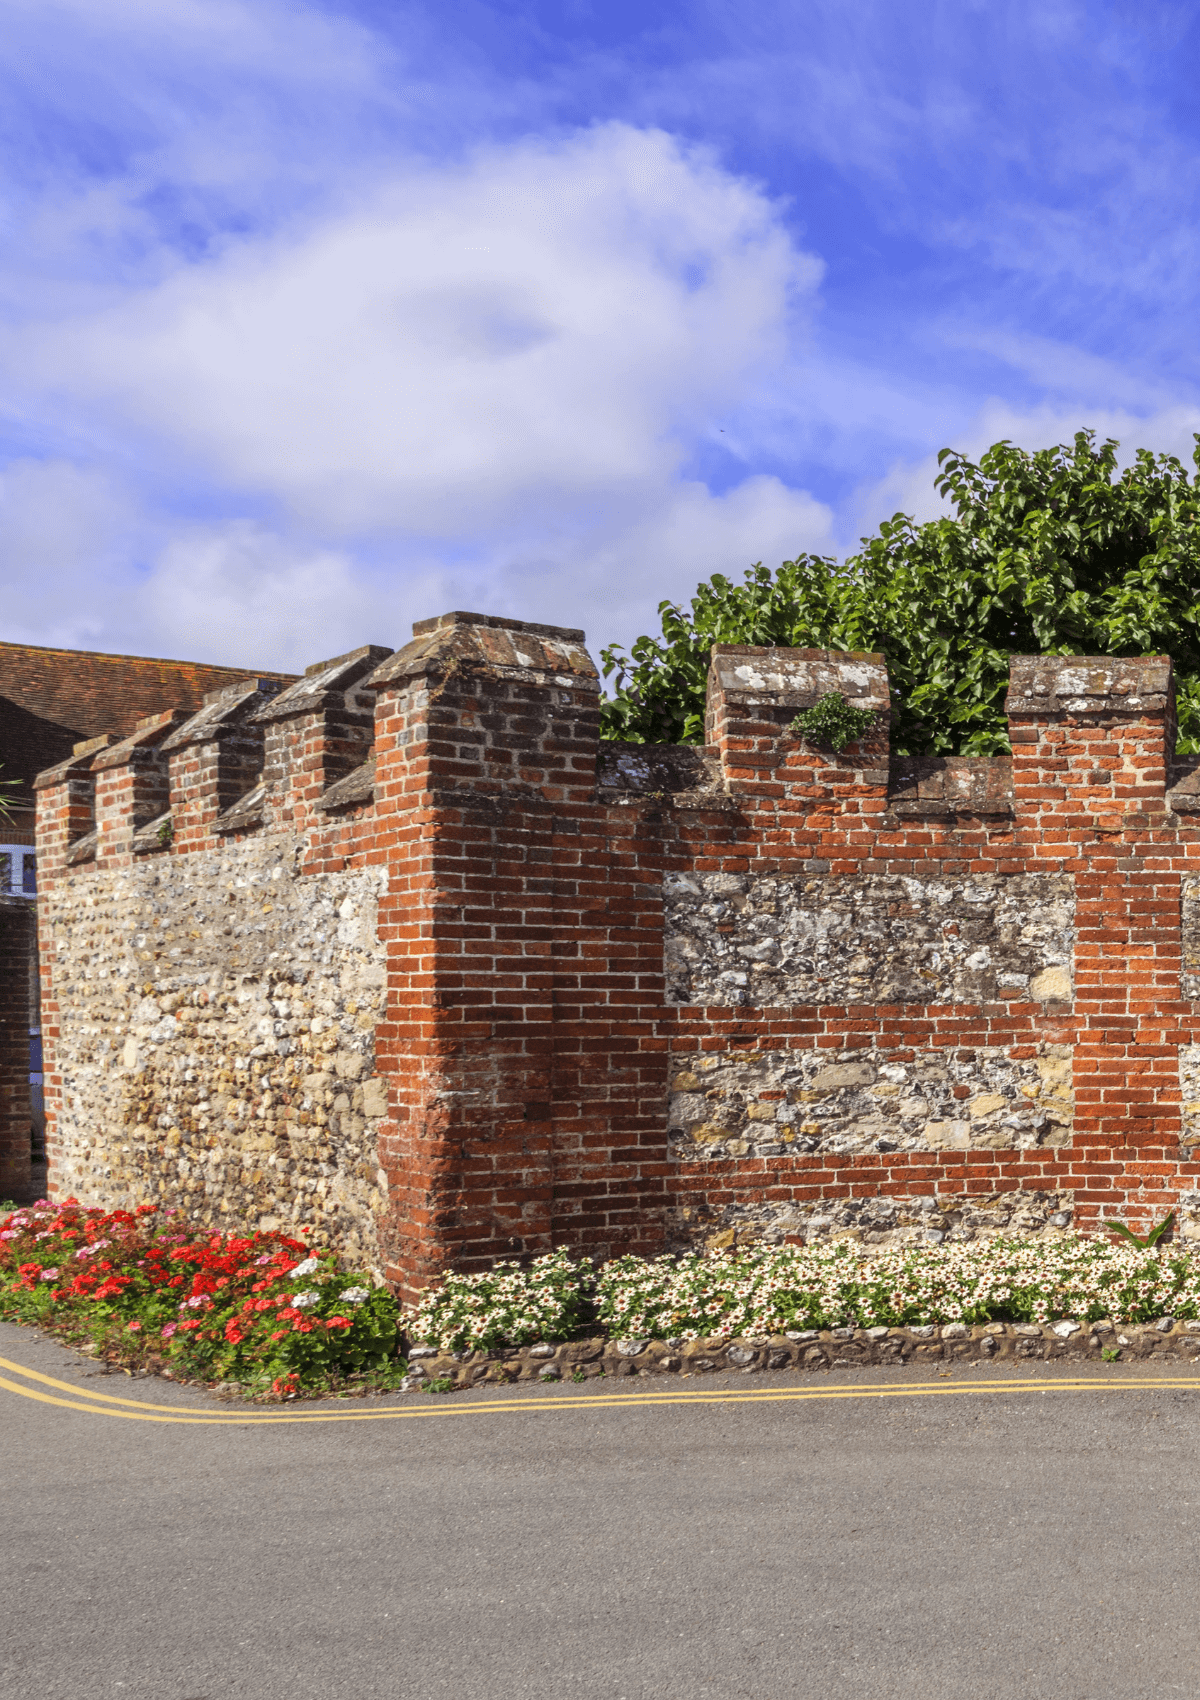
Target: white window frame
{"points": [[12, 878]]}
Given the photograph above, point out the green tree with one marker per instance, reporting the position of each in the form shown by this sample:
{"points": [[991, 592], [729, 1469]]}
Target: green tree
{"points": [[1055, 552]]}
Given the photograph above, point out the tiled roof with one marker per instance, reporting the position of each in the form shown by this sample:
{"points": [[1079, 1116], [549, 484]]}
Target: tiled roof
{"points": [[51, 699]]}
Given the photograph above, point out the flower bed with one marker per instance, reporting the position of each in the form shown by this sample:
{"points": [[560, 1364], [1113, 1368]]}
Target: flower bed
{"points": [[507, 1306], [144, 1289], [263, 1311], [770, 1290]]}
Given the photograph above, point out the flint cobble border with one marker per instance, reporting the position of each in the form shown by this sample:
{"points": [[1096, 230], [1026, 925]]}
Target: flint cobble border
{"points": [[810, 1349]]}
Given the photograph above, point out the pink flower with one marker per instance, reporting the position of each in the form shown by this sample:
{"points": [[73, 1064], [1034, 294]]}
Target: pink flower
{"points": [[168, 1331], [49, 1274]]}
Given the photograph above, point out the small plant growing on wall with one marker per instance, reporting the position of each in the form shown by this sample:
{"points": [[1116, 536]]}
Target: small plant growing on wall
{"points": [[1143, 1240], [833, 721]]}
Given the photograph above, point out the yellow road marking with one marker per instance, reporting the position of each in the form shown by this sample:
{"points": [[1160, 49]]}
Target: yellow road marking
{"points": [[135, 1410]]}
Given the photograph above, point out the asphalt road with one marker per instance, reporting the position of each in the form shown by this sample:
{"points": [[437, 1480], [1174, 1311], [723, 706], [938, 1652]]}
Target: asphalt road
{"points": [[605, 1543]]}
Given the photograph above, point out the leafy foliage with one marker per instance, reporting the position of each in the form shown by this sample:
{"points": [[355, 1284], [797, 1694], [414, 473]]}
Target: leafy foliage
{"points": [[9, 796], [833, 721], [1143, 1240], [1054, 552]]}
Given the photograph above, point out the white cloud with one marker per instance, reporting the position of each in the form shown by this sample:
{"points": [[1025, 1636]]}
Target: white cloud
{"points": [[481, 389], [64, 530], [241, 593], [612, 584], [546, 324]]}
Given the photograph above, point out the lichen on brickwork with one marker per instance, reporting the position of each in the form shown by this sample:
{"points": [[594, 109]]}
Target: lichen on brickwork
{"points": [[218, 1014], [873, 939], [775, 1103]]}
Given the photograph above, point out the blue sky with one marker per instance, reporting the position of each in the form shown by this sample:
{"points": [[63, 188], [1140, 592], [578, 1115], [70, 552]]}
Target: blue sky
{"points": [[317, 319]]}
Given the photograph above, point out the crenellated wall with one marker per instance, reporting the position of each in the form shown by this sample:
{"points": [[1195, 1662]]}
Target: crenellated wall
{"points": [[403, 956]]}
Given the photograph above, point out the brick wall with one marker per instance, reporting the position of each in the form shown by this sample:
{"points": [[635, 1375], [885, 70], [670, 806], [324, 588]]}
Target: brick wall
{"points": [[641, 997], [18, 934]]}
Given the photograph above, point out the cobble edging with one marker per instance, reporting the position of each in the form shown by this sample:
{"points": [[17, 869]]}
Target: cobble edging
{"points": [[811, 1349]]}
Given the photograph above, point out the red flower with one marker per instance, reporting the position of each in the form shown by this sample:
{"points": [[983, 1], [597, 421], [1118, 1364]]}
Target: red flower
{"points": [[339, 1322]]}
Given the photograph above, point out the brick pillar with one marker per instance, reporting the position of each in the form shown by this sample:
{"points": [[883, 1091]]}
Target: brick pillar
{"points": [[66, 808], [216, 757], [132, 785], [317, 731], [484, 727], [755, 694], [1091, 741]]}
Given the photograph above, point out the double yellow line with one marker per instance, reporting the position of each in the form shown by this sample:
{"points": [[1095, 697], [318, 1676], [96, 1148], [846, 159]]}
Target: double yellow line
{"points": [[32, 1381]]}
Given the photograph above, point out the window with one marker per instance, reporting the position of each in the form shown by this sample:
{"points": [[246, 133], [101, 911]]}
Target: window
{"points": [[18, 870]]}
